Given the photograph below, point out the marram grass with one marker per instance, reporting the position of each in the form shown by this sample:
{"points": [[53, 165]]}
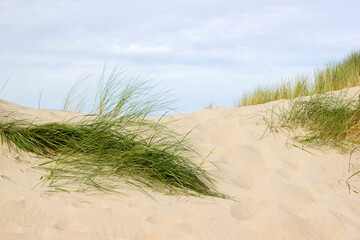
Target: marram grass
{"points": [[328, 119], [288, 90], [332, 77], [116, 146]]}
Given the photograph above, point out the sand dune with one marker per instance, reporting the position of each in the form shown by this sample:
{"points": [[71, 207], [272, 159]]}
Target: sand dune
{"points": [[281, 192]]}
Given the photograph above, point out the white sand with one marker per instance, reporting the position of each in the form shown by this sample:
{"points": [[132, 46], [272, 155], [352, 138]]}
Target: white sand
{"points": [[282, 193]]}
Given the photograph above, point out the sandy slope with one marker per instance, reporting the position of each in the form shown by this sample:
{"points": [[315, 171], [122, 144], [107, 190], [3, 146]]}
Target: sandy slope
{"points": [[282, 193]]}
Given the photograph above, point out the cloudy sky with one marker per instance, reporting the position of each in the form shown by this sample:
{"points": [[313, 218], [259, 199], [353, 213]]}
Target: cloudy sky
{"points": [[206, 50]]}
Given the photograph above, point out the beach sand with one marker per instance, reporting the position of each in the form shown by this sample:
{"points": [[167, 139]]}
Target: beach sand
{"points": [[280, 191]]}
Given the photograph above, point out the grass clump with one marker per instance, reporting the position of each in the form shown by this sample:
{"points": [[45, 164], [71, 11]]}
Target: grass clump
{"points": [[327, 119], [116, 145], [334, 76], [292, 89]]}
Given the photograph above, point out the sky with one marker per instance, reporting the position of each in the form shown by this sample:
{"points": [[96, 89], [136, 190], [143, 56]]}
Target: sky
{"points": [[206, 51]]}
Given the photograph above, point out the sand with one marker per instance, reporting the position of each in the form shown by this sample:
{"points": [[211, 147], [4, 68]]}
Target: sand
{"points": [[281, 192]]}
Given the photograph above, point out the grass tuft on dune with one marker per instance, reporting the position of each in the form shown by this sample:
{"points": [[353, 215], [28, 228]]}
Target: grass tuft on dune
{"points": [[332, 77], [328, 119], [114, 145]]}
